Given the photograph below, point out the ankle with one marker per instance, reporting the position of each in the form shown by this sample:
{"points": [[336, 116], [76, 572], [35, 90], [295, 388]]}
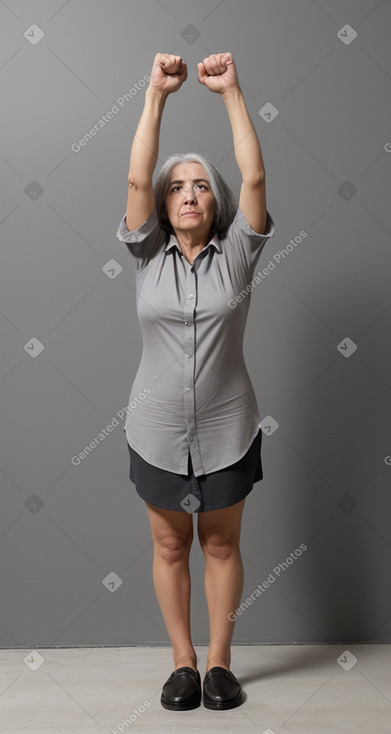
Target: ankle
{"points": [[185, 660], [218, 660]]}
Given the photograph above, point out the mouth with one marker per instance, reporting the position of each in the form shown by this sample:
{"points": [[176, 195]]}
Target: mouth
{"points": [[190, 214]]}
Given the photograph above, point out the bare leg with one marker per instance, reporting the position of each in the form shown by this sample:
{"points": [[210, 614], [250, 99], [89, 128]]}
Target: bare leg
{"points": [[219, 534], [172, 534]]}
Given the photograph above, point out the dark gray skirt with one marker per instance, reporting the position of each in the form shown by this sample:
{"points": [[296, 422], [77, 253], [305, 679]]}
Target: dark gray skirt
{"points": [[188, 493]]}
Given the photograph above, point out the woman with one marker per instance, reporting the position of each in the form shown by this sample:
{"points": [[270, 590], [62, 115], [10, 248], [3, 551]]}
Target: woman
{"points": [[194, 434]]}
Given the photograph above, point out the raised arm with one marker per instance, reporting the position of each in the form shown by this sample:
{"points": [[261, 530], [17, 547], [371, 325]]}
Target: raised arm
{"points": [[218, 73], [168, 74]]}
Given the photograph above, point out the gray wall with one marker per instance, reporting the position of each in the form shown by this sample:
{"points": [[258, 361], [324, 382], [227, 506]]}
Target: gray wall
{"points": [[64, 528]]}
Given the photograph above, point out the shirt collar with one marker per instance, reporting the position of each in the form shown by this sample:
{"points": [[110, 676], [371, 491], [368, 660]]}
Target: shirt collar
{"points": [[173, 242]]}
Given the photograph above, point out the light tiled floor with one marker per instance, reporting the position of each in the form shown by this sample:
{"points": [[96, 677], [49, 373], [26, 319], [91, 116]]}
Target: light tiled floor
{"points": [[288, 688]]}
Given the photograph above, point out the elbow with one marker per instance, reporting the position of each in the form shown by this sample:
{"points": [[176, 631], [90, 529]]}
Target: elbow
{"points": [[254, 179], [139, 183]]}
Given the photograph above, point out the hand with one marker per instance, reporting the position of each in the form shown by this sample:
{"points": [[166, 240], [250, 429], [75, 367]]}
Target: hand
{"points": [[218, 73], [168, 73]]}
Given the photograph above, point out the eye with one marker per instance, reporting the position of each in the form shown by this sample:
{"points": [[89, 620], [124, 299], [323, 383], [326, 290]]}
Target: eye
{"points": [[199, 185]]}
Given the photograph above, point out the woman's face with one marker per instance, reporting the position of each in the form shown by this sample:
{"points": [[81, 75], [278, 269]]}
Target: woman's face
{"points": [[190, 191]]}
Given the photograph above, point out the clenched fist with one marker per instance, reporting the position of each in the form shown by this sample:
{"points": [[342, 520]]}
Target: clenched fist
{"points": [[218, 72], [168, 73]]}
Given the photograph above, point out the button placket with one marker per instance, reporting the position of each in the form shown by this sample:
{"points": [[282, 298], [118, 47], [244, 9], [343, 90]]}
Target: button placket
{"points": [[189, 367]]}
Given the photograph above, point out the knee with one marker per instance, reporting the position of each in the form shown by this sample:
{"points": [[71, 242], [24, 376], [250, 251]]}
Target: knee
{"points": [[172, 548], [219, 546]]}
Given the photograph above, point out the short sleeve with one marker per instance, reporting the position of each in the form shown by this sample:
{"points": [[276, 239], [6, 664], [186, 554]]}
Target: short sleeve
{"points": [[144, 241], [245, 241]]}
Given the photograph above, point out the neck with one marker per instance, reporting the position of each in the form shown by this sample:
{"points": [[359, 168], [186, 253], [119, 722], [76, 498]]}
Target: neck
{"points": [[191, 241]]}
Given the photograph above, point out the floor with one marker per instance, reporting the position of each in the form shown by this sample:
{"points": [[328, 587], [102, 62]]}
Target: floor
{"points": [[317, 689]]}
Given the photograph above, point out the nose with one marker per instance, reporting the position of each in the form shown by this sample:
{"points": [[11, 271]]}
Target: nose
{"points": [[188, 194]]}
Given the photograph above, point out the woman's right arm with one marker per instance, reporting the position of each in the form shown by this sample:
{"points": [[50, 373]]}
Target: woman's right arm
{"points": [[168, 74]]}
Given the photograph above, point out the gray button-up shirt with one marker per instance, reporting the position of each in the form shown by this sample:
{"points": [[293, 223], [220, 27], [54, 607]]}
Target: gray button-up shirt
{"points": [[192, 391]]}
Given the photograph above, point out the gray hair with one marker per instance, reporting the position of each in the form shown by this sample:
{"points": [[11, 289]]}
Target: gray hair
{"points": [[225, 202]]}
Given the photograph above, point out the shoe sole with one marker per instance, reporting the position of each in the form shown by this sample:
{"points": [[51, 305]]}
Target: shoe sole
{"points": [[222, 705], [171, 706]]}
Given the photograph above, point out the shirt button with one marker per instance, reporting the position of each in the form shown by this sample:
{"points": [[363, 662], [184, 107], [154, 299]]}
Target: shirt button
{"points": [[188, 356], [190, 438], [188, 420], [190, 295], [187, 388]]}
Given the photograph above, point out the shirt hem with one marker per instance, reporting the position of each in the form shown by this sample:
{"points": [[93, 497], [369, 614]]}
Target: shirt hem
{"points": [[152, 461], [223, 466], [199, 474]]}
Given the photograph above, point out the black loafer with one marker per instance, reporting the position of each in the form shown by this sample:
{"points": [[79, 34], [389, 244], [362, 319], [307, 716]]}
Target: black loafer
{"points": [[182, 690], [221, 690]]}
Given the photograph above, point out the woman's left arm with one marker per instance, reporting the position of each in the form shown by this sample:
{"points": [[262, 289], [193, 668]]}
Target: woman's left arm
{"points": [[218, 73]]}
